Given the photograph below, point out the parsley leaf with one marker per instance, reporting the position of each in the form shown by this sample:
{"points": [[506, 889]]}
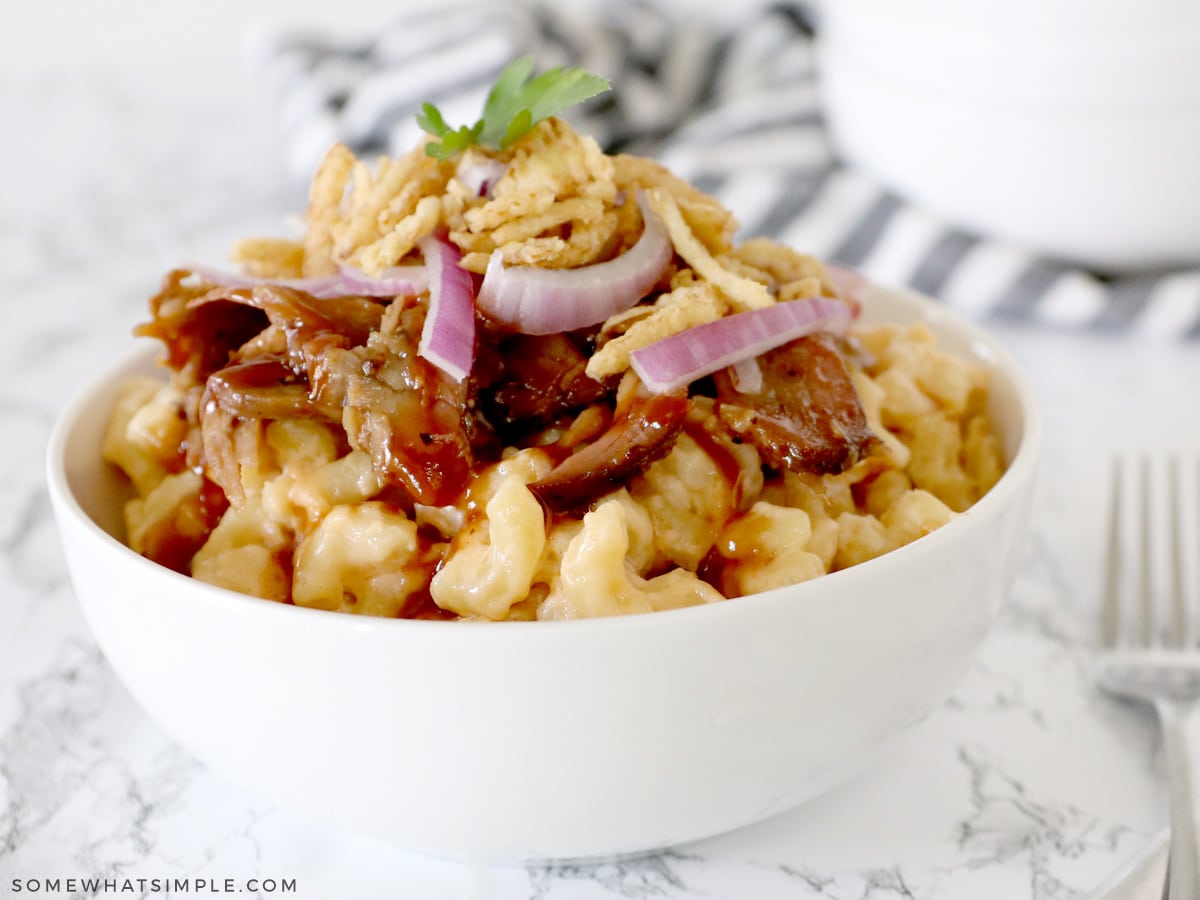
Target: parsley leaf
{"points": [[514, 105], [430, 119]]}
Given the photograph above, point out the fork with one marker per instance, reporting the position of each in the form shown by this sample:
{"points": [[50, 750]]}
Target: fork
{"points": [[1152, 657]]}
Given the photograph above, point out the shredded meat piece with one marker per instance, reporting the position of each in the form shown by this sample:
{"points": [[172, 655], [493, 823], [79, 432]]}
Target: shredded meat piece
{"points": [[268, 381], [205, 328], [229, 442], [411, 417], [193, 445], [310, 329], [542, 378], [272, 352], [807, 417], [199, 340], [262, 389], [234, 404], [639, 434], [305, 320]]}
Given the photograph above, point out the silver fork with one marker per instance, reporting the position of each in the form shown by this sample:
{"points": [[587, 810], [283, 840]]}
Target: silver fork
{"points": [[1150, 640]]}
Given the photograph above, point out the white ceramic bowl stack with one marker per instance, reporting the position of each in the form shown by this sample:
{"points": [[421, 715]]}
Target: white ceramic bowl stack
{"points": [[1070, 127], [519, 741]]}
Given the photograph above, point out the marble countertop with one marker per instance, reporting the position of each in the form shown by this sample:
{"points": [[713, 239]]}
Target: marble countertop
{"points": [[1026, 784]]}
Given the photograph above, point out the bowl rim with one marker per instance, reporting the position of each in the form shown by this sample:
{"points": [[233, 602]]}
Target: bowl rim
{"points": [[920, 307]]}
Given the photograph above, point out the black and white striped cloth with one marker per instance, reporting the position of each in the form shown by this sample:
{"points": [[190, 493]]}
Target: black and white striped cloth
{"points": [[732, 107]]}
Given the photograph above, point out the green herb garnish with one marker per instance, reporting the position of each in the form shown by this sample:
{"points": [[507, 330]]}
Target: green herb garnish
{"points": [[514, 105]]}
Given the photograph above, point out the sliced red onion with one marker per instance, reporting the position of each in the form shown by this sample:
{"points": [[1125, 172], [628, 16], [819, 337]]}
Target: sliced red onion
{"points": [[849, 283], [318, 286], [448, 336], [398, 281], [481, 175], [407, 281], [547, 301], [746, 376], [682, 358]]}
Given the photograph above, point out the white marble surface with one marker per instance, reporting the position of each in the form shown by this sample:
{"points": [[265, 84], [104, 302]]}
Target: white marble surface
{"points": [[1027, 784]]}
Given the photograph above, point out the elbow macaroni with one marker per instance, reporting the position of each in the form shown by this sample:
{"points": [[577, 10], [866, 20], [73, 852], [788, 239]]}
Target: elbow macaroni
{"points": [[363, 558], [492, 561], [596, 577], [688, 500]]}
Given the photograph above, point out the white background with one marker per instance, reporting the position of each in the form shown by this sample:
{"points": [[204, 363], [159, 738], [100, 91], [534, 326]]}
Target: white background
{"points": [[143, 34]]}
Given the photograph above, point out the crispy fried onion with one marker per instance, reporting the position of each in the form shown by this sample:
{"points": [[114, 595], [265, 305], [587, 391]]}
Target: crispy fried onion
{"points": [[371, 218], [554, 207], [743, 293]]}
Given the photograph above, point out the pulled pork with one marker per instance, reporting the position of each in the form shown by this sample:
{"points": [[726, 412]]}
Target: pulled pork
{"points": [[807, 416], [246, 356]]}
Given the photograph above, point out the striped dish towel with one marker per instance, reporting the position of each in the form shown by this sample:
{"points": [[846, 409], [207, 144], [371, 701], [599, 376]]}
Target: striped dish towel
{"points": [[732, 107]]}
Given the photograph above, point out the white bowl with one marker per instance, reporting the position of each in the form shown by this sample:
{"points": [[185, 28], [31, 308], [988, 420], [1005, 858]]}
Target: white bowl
{"points": [[550, 740], [1071, 128]]}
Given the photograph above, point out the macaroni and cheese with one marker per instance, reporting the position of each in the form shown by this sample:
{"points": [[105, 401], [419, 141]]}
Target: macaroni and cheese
{"points": [[305, 449]]}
